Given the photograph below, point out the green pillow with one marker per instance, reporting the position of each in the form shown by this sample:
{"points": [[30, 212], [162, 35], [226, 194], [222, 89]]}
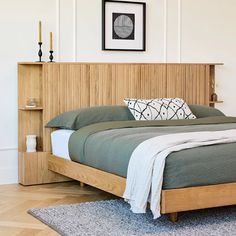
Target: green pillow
{"points": [[204, 111], [77, 119]]}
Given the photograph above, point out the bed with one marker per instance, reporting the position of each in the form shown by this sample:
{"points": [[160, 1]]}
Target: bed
{"points": [[108, 84], [201, 166], [107, 147]]}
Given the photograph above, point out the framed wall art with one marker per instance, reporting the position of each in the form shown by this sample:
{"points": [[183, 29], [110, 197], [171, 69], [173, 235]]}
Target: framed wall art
{"points": [[123, 25]]}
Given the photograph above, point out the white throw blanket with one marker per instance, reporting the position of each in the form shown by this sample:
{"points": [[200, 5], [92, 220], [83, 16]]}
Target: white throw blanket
{"points": [[147, 162]]}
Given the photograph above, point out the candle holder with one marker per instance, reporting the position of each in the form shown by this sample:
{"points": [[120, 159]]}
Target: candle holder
{"points": [[51, 56], [40, 53]]}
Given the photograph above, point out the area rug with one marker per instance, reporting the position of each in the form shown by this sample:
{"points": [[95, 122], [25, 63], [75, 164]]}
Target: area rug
{"points": [[114, 218]]}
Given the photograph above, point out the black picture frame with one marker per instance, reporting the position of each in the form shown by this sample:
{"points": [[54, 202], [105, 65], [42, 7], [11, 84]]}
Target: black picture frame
{"points": [[104, 46]]}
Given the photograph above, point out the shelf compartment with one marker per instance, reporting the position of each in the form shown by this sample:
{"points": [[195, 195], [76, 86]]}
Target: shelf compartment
{"points": [[30, 122], [29, 83], [33, 169]]}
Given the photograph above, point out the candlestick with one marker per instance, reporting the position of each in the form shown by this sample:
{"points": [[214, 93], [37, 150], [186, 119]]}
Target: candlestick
{"points": [[51, 55], [51, 47], [40, 53], [40, 31]]}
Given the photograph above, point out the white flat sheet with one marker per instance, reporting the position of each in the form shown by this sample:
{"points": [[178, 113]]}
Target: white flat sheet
{"points": [[60, 141], [145, 185]]}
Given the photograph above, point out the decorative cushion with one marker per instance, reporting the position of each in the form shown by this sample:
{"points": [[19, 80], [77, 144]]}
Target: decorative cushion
{"points": [[159, 109], [204, 111], [79, 118]]}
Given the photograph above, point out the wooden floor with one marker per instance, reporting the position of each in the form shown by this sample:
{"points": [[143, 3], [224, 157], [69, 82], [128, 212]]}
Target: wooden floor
{"points": [[15, 200]]}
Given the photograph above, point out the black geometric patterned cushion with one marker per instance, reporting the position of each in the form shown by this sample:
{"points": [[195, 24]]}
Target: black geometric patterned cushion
{"points": [[159, 109]]}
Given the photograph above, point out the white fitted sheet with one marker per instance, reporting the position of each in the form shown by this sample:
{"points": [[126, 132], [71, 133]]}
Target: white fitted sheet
{"points": [[60, 141]]}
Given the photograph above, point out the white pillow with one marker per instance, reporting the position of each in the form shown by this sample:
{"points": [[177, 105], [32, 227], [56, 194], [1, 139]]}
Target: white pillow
{"points": [[159, 109]]}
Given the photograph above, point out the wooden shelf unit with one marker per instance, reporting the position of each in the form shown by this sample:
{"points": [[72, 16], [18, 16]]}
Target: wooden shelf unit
{"points": [[212, 86], [33, 167], [60, 87]]}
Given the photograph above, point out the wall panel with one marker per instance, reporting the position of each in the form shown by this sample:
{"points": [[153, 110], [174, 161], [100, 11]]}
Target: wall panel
{"points": [[65, 24], [208, 34]]}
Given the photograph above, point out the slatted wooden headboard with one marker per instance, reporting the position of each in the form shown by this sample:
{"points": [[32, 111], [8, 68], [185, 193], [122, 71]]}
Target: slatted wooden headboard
{"points": [[65, 86], [68, 86]]}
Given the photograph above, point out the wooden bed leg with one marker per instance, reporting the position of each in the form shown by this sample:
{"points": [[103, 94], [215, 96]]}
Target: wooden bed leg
{"points": [[173, 217], [82, 184]]}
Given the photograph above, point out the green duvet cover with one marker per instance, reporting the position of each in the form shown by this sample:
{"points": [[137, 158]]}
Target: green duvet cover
{"points": [[108, 146]]}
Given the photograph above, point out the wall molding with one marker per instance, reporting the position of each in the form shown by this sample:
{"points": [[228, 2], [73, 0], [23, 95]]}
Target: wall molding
{"points": [[75, 29], [179, 31], [165, 29], [4, 149], [58, 31]]}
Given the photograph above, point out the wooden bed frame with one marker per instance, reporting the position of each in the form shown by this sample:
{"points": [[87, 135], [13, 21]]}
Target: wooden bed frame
{"points": [[172, 201], [68, 86]]}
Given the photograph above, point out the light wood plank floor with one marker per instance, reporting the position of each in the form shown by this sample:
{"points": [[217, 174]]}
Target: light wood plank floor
{"points": [[15, 200]]}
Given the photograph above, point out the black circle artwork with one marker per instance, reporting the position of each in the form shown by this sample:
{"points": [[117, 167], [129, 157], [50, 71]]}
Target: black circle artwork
{"points": [[123, 26]]}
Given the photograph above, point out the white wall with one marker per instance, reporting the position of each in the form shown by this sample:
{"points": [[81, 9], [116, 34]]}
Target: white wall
{"points": [[18, 35], [177, 31]]}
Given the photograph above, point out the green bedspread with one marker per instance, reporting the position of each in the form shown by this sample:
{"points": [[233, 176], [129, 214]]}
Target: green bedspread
{"points": [[108, 146]]}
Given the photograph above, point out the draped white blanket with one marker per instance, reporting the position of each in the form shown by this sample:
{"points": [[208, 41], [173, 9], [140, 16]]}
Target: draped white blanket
{"points": [[146, 166]]}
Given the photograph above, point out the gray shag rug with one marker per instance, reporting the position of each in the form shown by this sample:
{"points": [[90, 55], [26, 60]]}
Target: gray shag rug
{"points": [[114, 218]]}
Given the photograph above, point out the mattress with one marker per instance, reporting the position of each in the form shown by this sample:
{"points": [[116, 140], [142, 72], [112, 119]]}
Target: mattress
{"points": [[108, 146], [60, 140]]}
